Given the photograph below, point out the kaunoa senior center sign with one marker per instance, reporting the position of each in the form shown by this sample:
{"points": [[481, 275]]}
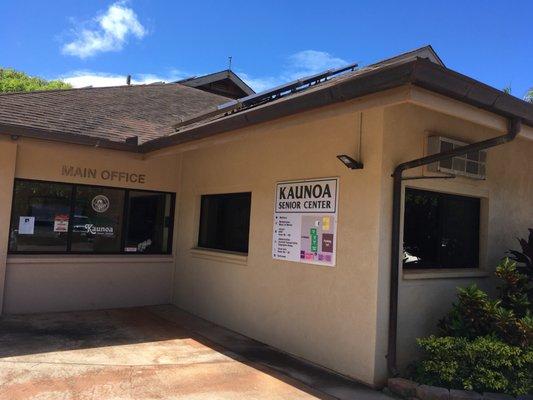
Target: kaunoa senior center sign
{"points": [[305, 221]]}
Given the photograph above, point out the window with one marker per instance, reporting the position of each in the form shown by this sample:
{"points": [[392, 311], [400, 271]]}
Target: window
{"points": [[104, 220], [149, 222], [440, 230], [98, 214], [225, 222], [36, 220]]}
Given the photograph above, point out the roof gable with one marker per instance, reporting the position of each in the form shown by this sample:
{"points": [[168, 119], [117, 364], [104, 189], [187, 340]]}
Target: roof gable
{"points": [[224, 83], [426, 52]]}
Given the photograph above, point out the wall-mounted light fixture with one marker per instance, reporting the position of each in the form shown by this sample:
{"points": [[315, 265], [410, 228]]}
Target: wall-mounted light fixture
{"points": [[350, 162]]}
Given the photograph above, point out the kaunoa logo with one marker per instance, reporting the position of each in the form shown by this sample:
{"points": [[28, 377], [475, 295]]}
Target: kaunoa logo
{"points": [[100, 203], [99, 230]]}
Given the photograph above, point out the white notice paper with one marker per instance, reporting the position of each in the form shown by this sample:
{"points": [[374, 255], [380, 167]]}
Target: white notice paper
{"points": [[26, 225]]}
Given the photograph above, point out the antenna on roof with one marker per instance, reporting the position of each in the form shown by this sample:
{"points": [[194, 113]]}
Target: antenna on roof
{"points": [[229, 62], [128, 80]]}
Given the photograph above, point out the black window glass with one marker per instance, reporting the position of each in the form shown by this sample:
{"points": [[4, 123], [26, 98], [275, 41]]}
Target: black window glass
{"points": [[225, 221], [40, 217], [440, 230], [97, 220], [50, 217], [149, 222]]}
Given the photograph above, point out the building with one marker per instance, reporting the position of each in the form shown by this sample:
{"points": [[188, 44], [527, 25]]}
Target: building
{"points": [[276, 215]]}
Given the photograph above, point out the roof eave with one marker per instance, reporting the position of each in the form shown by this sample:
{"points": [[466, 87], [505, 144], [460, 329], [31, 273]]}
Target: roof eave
{"points": [[43, 134], [422, 73], [462, 88]]}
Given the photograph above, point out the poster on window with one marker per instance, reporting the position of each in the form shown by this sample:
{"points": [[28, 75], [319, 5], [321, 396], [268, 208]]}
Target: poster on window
{"points": [[26, 225], [61, 223], [305, 221]]}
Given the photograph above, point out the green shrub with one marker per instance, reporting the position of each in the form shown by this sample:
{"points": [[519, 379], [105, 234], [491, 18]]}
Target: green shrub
{"points": [[486, 344], [514, 287], [483, 364], [508, 318], [524, 259]]}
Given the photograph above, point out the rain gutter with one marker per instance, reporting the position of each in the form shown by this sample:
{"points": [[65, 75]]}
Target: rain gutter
{"points": [[513, 131]]}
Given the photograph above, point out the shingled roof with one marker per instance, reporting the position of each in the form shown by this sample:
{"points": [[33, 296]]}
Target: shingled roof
{"points": [[161, 115], [111, 113]]}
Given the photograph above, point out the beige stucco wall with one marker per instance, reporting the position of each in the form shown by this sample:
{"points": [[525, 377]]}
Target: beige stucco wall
{"points": [[8, 154], [36, 283], [301, 308], [324, 314], [507, 212], [82, 283], [334, 316]]}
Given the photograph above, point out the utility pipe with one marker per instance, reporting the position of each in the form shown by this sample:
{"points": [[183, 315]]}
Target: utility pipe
{"points": [[513, 130]]}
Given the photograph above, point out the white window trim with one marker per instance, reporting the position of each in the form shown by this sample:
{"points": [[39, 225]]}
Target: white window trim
{"points": [[224, 256], [87, 259]]}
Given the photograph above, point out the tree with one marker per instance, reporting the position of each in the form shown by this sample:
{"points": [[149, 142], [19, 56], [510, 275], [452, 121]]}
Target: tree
{"points": [[16, 81], [529, 95]]}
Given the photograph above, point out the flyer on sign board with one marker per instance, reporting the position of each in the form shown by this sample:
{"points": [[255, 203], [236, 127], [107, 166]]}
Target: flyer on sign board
{"points": [[305, 221]]}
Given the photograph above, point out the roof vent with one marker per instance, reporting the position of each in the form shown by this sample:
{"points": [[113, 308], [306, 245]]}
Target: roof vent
{"points": [[471, 165]]}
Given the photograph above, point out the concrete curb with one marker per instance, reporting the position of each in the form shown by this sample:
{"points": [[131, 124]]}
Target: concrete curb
{"points": [[411, 390]]}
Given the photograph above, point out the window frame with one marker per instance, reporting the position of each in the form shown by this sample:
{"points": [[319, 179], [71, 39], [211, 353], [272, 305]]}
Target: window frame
{"points": [[437, 268], [197, 245], [71, 215]]}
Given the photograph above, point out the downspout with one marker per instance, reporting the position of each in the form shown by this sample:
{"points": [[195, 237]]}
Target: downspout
{"points": [[513, 130]]}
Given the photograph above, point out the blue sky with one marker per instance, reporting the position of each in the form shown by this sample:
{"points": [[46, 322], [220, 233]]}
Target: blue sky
{"points": [[100, 42]]}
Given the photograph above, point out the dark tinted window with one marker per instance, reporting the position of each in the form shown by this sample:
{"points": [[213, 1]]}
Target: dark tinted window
{"points": [[97, 219], [50, 217], [225, 221], [440, 230], [149, 222], [39, 218]]}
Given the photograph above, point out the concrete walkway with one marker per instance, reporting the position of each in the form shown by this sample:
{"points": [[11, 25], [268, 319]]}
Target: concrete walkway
{"points": [[151, 353]]}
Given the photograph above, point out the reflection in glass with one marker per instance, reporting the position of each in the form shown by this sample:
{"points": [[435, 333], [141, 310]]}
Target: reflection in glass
{"points": [[225, 221], [149, 222], [41, 213], [97, 226], [440, 230]]}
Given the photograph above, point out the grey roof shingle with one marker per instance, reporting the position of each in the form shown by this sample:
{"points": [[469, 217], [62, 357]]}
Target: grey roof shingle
{"points": [[112, 113]]}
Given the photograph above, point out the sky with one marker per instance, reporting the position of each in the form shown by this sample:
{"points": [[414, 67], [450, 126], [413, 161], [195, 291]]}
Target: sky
{"points": [[100, 42]]}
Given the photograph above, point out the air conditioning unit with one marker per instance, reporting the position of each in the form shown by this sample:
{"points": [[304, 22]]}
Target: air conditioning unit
{"points": [[471, 165]]}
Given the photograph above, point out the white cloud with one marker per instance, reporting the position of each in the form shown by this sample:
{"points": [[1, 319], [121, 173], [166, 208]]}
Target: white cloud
{"points": [[259, 84], [100, 79], [309, 62], [298, 65], [110, 32]]}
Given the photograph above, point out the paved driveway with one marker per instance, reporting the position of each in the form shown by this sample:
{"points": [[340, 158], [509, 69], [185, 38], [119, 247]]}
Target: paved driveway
{"points": [[151, 353]]}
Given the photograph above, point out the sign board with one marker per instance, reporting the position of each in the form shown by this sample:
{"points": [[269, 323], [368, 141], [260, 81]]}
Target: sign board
{"points": [[305, 221]]}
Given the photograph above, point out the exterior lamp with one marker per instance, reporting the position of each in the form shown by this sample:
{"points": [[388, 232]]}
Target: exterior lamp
{"points": [[350, 162]]}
